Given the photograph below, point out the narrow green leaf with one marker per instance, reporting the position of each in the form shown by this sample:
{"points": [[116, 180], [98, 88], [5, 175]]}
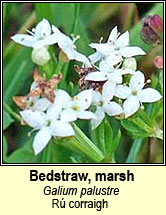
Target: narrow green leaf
{"points": [[87, 146], [43, 10], [7, 120], [134, 151], [137, 127], [16, 73], [4, 15], [116, 141]]}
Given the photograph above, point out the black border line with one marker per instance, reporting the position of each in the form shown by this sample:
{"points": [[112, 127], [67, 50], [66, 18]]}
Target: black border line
{"points": [[82, 164]]}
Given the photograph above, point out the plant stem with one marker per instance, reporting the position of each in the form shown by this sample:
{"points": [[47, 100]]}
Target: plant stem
{"points": [[87, 146], [11, 112]]}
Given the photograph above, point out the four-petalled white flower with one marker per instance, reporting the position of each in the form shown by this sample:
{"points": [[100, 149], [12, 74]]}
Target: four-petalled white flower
{"points": [[104, 104], [49, 124], [117, 46], [41, 36], [135, 94], [77, 107]]}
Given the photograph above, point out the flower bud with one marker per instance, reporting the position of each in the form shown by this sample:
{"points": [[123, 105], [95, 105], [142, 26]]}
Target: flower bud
{"points": [[40, 56], [152, 27], [148, 35], [158, 62], [156, 24], [130, 63]]}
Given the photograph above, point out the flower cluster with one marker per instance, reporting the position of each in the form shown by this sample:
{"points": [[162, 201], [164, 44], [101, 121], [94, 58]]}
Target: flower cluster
{"points": [[109, 76]]}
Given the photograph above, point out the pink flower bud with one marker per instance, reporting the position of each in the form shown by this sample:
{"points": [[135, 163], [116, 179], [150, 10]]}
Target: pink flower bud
{"points": [[148, 35], [156, 24], [158, 62]]}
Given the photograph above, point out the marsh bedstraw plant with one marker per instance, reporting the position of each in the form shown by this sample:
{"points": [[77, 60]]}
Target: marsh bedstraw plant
{"points": [[113, 86]]}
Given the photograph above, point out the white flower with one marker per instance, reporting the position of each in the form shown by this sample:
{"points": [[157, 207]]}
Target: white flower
{"points": [[67, 46], [104, 104], [108, 73], [77, 107], [40, 37], [134, 94], [115, 43], [49, 124]]}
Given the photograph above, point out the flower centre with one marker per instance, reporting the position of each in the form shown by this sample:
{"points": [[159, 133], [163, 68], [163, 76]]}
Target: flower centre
{"points": [[100, 103], [48, 122], [134, 92], [75, 108]]}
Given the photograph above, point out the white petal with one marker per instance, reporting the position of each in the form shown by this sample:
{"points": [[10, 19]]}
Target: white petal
{"points": [[68, 115], [82, 58], [96, 76], [95, 57], [122, 91], [149, 95], [43, 29], [41, 140], [41, 104], [105, 67], [61, 129], [131, 51], [137, 81], [123, 40], [56, 30], [35, 119], [85, 99], [23, 39], [112, 108], [108, 90], [99, 118], [115, 77], [86, 115], [103, 48], [62, 99], [97, 97], [114, 58], [113, 35], [131, 105]]}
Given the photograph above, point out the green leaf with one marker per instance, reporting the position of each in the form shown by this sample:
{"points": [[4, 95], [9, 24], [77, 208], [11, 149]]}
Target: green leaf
{"points": [[82, 144], [103, 137], [57, 14], [25, 154], [7, 120], [137, 127], [116, 141], [16, 73], [134, 151], [4, 15]]}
